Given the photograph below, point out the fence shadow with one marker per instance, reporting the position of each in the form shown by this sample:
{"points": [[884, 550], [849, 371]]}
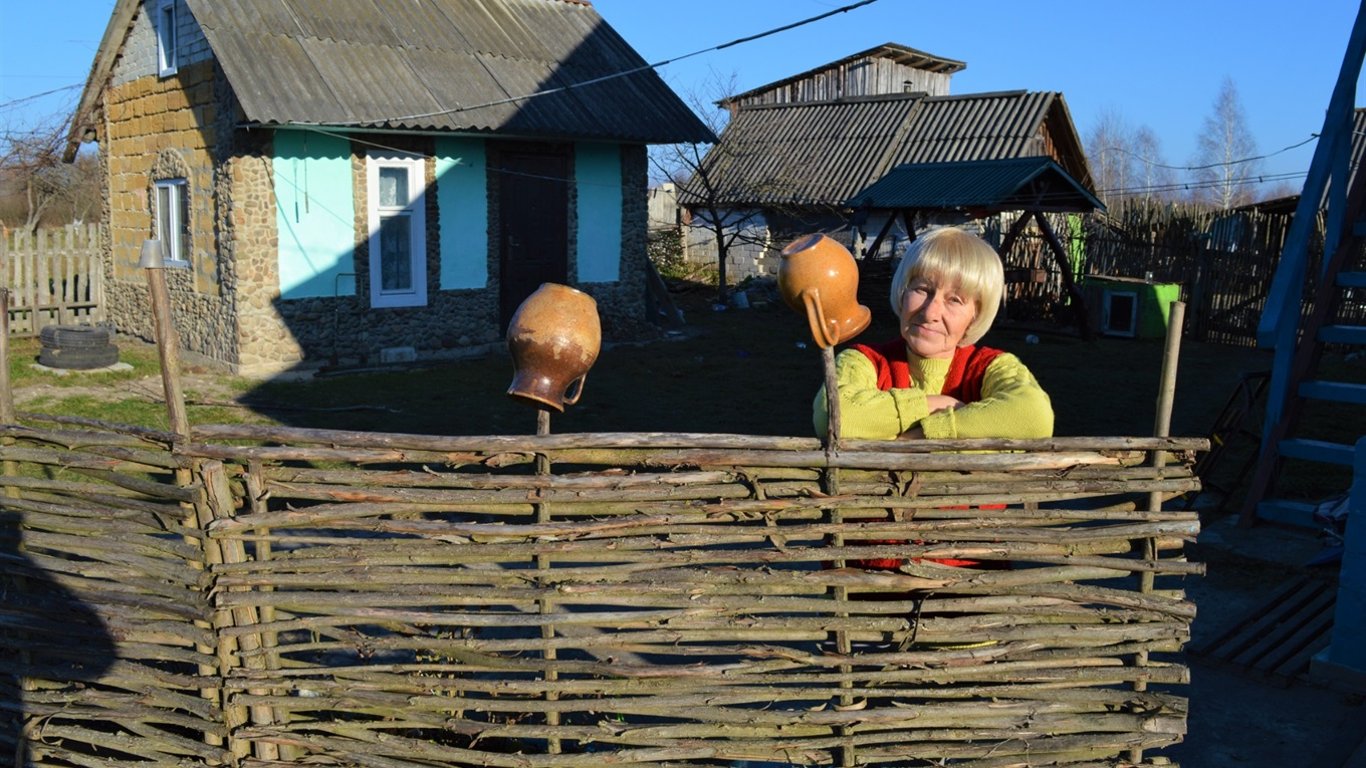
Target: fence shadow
{"points": [[53, 643]]}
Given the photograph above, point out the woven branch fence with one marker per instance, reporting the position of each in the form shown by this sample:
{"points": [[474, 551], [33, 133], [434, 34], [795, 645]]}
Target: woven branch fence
{"points": [[266, 597]]}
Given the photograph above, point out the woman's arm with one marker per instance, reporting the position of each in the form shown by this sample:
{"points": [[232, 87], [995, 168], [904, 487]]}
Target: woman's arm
{"points": [[1012, 405], [866, 412]]}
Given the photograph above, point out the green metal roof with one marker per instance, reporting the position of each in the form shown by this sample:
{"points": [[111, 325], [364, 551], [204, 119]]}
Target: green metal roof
{"points": [[1018, 183]]}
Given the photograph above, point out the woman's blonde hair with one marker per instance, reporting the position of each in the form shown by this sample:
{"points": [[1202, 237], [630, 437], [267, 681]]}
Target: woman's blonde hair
{"points": [[953, 257]]}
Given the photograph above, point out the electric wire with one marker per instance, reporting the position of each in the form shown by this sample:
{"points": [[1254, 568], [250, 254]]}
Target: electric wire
{"points": [[610, 76]]}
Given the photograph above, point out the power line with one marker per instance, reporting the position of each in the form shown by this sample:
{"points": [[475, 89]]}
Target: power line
{"points": [[16, 102], [1209, 184], [613, 76], [1146, 161]]}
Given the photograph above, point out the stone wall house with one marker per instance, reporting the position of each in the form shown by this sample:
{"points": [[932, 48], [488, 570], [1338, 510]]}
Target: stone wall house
{"points": [[370, 181]]}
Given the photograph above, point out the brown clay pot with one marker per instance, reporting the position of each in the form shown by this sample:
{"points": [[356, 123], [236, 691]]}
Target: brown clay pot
{"points": [[554, 338], [818, 276]]}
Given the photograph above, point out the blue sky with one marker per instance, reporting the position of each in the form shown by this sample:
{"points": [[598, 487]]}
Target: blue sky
{"points": [[1157, 63]]}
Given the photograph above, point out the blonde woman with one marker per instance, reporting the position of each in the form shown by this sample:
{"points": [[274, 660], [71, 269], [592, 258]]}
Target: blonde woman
{"points": [[933, 381]]}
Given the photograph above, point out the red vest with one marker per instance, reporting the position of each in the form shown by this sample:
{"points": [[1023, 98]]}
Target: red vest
{"points": [[963, 382], [966, 372]]}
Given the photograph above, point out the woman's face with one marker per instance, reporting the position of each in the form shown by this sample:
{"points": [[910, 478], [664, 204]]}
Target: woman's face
{"points": [[934, 317]]}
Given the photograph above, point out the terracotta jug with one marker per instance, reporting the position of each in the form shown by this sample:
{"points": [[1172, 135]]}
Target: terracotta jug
{"points": [[554, 338], [818, 276]]}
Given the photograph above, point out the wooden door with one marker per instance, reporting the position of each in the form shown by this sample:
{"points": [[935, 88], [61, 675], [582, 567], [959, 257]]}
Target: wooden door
{"points": [[533, 223]]}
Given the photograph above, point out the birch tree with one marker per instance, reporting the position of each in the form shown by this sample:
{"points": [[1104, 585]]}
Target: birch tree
{"points": [[1225, 166]]}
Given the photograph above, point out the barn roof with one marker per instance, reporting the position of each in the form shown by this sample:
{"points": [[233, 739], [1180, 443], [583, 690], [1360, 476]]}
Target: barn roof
{"points": [[824, 153], [1020, 183], [531, 68]]}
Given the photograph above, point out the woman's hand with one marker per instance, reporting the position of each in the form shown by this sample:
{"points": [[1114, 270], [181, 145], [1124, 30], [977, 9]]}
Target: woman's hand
{"points": [[938, 403], [935, 403]]}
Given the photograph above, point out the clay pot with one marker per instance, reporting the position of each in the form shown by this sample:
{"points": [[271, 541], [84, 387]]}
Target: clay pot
{"points": [[554, 338], [818, 276]]}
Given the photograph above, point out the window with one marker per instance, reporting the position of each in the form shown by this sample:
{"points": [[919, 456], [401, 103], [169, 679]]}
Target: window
{"points": [[173, 221], [166, 38], [398, 230]]}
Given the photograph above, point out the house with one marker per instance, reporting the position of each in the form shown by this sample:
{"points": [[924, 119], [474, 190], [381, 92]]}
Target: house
{"points": [[371, 180], [875, 145]]}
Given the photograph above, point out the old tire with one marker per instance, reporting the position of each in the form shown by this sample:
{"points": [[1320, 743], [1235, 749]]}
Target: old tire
{"points": [[73, 337], [79, 358]]}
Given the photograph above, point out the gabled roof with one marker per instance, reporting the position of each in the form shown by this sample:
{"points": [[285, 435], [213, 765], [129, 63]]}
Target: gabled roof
{"points": [[824, 153], [1020, 183], [443, 65], [900, 54]]}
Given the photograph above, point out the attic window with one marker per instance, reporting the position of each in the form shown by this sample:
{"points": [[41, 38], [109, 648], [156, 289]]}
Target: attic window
{"points": [[166, 38]]}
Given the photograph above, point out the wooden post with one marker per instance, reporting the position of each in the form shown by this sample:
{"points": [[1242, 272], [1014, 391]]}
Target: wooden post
{"points": [[1068, 283], [552, 716], [835, 516], [218, 504], [1162, 423], [6, 394], [168, 350], [168, 344]]}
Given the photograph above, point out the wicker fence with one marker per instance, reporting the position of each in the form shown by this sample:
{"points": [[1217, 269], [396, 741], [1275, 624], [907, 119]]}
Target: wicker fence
{"points": [[55, 277], [280, 597]]}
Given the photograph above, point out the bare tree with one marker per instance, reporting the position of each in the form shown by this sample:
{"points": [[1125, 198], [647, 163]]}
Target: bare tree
{"points": [[36, 186], [1127, 162], [692, 169], [1156, 180], [1226, 165], [1110, 153]]}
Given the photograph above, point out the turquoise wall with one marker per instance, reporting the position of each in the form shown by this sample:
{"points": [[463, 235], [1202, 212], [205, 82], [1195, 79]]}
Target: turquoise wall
{"points": [[597, 172], [314, 214], [462, 197]]}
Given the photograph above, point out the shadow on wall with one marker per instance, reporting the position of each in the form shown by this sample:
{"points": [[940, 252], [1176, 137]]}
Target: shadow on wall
{"points": [[426, 249], [52, 644]]}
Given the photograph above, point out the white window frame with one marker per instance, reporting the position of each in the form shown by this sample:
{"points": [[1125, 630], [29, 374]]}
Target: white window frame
{"points": [[414, 295], [166, 38], [175, 249], [1119, 323]]}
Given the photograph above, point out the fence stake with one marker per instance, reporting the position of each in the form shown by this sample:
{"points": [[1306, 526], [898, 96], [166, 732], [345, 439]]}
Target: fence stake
{"points": [[168, 344], [1162, 424]]}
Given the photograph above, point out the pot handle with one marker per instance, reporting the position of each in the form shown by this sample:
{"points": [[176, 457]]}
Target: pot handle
{"points": [[577, 386], [815, 316]]}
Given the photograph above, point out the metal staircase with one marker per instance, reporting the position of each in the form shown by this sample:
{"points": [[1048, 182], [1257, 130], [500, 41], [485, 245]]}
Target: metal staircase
{"points": [[1337, 288]]}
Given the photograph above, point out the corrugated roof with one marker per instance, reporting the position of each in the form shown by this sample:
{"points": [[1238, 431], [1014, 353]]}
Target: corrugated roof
{"points": [[457, 65], [1033, 183], [823, 153]]}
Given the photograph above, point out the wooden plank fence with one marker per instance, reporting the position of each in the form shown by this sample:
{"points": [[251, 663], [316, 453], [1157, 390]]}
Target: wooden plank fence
{"points": [[55, 277]]}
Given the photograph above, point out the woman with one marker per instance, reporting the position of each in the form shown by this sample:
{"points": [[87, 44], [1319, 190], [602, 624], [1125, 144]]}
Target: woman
{"points": [[932, 381]]}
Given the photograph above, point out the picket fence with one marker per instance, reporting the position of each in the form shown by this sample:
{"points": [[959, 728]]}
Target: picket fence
{"points": [[54, 277]]}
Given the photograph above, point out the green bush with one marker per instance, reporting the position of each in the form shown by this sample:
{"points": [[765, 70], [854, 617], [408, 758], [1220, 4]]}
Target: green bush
{"points": [[665, 248]]}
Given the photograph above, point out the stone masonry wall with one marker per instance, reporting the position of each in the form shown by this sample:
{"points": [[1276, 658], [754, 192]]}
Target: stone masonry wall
{"points": [[347, 330], [162, 128]]}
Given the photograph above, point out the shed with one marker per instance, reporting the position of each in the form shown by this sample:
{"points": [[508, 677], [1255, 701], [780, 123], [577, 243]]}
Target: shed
{"points": [[1129, 306]]}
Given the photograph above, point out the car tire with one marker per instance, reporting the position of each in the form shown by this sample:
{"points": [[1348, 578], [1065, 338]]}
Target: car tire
{"points": [[74, 337], [79, 358]]}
